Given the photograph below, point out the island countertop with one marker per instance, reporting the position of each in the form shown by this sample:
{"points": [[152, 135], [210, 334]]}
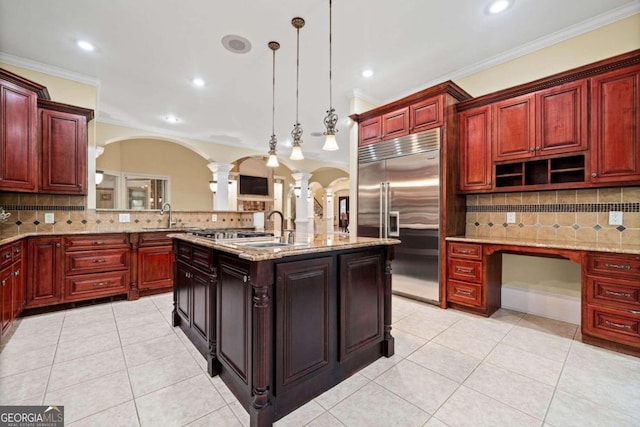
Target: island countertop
{"points": [[304, 244]]}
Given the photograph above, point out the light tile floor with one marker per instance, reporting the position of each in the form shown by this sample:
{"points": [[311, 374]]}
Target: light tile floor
{"points": [[122, 364]]}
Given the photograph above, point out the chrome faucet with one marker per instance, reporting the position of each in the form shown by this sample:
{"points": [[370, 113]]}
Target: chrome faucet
{"points": [[282, 238], [171, 221]]}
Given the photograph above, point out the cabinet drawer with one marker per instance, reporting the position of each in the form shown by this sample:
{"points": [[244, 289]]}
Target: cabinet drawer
{"points": [[469, 271], [155, 238], [618, 265], [614, 291], [17, 251], [96, 285], [465, 250], [96, 241], [464, 293], [5, 256], [612, 324], [96, 261], [195, 255]]}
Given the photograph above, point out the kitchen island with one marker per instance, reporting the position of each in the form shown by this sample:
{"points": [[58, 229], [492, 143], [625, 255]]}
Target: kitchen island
{"points": [[282, 323]]}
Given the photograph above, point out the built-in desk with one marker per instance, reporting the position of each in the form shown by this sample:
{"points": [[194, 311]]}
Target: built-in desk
{"points": [[610, 293]]}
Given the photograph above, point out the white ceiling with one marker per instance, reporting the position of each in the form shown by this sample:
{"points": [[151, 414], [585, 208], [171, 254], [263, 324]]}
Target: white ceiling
{"points": [[147, 51]]}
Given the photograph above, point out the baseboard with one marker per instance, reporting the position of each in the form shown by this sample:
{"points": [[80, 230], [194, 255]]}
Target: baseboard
{"points": [[555, 306]]}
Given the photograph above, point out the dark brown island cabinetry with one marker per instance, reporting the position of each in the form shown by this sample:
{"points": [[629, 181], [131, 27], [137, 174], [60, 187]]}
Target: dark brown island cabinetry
{"points": [[579, 128], [11, 285], [43, 144], [283, 330]]}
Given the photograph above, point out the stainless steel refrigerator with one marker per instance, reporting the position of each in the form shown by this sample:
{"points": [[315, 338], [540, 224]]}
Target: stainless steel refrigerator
{"points": [[399, 197]]}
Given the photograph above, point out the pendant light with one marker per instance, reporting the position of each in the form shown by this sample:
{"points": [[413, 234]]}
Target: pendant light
{"points": [[273, 158], [296, 133], [330, 121]]}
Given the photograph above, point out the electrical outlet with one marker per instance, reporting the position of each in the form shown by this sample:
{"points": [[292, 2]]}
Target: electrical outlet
{"points": [[49, 218], [511, 217], [124, 217], [214, 217], [615, 218]]}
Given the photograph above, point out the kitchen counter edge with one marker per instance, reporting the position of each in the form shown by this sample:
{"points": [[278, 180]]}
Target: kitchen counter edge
{"points": [[552, 244]]}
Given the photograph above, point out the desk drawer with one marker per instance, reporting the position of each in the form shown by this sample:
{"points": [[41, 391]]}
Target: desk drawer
{"points": [[96, 261], [626, 266], [613, 291], [96, 285], [469, 271], [465, 250], [464, 293], [612, 324]]}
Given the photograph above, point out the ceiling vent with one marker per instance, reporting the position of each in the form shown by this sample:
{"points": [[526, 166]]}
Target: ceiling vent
{"points": [[236, 44]]}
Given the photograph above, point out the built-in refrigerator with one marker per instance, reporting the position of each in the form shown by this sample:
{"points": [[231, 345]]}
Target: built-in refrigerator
{"points": [[399, 197]]}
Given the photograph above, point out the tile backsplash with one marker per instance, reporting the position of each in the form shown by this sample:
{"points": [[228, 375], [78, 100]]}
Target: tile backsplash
{"points": [[70, 214], [567, 215]]}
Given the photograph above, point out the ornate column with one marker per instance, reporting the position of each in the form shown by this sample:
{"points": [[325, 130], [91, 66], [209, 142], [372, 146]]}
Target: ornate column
{"points": [[327, 212], [311, 225], [302, 211], [221, 174]]}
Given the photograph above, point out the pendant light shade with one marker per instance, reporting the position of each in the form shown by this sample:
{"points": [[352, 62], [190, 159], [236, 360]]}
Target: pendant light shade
{"points": [[273, 142], [99, 177], [213, 186], [331, 120], [296, 133]]}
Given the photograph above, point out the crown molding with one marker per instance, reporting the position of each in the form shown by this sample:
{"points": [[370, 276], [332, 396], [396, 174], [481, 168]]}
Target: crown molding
{"points": [[591, 24], [48, 69]]}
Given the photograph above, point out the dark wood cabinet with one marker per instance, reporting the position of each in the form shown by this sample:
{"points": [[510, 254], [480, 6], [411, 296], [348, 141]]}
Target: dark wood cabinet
{"points": [[615, 126], [562, 118], [514, 128], [611, 301], [475, 149], [395, 123], [370, 131], [18, 137], [155, 262], [6, 298], [426, 114], [63, 134], [46, 271]]}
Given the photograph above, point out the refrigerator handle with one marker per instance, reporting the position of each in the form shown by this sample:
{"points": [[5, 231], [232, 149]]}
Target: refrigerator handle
{"points": [[386, 210], [381, 211]]}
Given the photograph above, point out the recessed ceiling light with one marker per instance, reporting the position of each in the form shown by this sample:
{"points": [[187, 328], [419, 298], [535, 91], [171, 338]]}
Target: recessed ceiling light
{"points": [[197, 82], [367, 73], [499, 6], [85, 45], [172, 119], [236, 44]]}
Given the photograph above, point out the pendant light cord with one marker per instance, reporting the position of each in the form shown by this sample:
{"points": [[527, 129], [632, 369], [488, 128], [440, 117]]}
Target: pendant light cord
{"points": [[273, 97], [330, 59], [297, 69]]}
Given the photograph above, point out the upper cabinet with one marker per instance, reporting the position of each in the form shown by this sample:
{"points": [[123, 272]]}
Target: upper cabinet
{"points": [[63, 133], [426, 114], [18, 133], [615, 126], [574, 129], [43, 144], [370, 131], [395, 123]]}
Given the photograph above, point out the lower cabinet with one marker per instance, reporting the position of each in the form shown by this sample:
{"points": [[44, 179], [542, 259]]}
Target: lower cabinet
{"points": [[6, 298], [611, 300], [195, 299], [46, 271], [154, 272]]}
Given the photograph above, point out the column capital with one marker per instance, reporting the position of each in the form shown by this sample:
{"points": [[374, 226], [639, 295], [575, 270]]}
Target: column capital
{"points": [[220, 167], [301, 176]]}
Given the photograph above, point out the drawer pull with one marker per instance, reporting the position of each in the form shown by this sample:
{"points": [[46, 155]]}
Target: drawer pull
{"points": [[464, 270], [618, 266], [464, 251], [98, 242], [16, 273], [101, 283], [4, 282], [618, 294], [99, 260], [463, 292], [634, 311], [617, 325], [7, 255], [17, 251]]}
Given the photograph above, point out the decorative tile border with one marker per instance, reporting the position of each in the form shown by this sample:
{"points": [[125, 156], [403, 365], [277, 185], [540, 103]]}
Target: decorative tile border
{"points": [[43, 208], [558, 207]]}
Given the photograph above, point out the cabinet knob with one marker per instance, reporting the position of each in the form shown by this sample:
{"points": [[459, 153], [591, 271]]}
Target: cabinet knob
{"points": [[7, 255], [57, 245], [16, 273], [4, 282], [537, 148], [593, 175], [532, 149]]}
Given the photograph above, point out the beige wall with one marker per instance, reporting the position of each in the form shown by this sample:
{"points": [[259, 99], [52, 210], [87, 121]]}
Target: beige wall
{"points": [[325, 176], [188, 172]]}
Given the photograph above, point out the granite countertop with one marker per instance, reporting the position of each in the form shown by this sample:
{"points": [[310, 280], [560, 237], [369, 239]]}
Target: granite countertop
{"points": [[304, 244], [15, 237], [557, 244]]}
